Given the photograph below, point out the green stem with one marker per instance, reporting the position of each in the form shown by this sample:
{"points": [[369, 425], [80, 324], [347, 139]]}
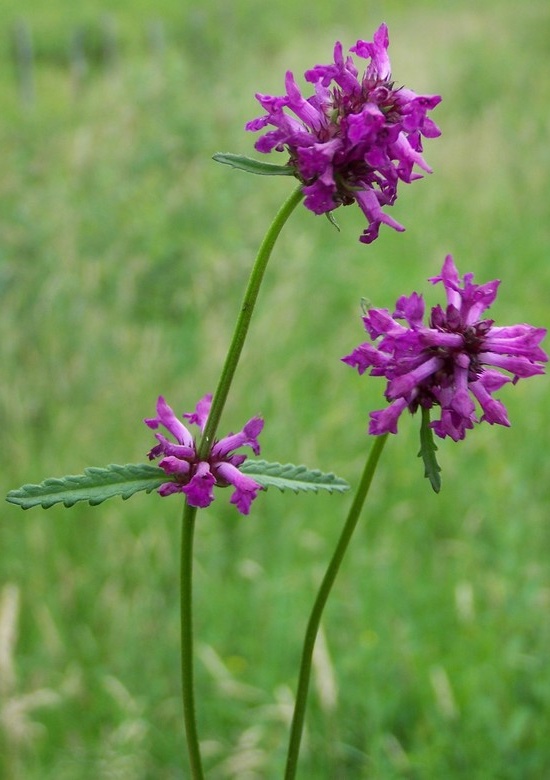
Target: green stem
{"points": [[320, 601], [186, 616], [243, 321], [189, 513]]}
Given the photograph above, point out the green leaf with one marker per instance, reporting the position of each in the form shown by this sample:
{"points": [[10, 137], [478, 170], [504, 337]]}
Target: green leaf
{"points": [[98, 484], [250, 165], [331, 218], [427, 452], [94, 486], [295, 478]]}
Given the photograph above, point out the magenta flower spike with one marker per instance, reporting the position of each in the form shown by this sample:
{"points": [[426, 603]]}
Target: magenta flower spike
{"points": [[197, 478], [354, 139], [457, 361]]}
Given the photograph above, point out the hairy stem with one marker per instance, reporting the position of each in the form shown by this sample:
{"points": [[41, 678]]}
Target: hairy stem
{"points": [[243, 321], [319, 605], [189, 513], [186, 616]]}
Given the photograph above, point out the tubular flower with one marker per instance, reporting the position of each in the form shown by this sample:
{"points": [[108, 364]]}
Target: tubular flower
{"points": [[197, 478], [455, 362], [354, 139]]}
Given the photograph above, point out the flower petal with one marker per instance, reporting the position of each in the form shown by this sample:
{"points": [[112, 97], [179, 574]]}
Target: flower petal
{"points": [[385, 420], [246, 489], [202, 410], [167, 418], [245, 438], [200, 489]]}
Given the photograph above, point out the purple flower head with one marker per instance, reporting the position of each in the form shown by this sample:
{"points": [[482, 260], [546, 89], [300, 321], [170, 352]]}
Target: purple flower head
{"points": [[197, 478], [455, 362], [354, 139]]}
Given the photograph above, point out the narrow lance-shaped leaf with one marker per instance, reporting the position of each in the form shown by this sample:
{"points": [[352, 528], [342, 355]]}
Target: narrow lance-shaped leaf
{"points": [[250, 165], [332, 219], [427, 452], [293, 477], [96, 485]]}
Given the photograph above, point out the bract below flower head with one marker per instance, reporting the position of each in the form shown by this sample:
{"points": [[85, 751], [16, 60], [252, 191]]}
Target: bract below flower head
{"points": [[197, 478], [353, 139], [457, 361]]}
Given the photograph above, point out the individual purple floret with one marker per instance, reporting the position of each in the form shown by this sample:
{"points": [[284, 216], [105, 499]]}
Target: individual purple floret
{"points": [[456, 360], [197, 478], [354, 139]]}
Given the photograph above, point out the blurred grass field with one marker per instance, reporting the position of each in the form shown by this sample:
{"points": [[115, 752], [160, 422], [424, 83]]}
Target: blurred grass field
{"points": [[123, 254]]}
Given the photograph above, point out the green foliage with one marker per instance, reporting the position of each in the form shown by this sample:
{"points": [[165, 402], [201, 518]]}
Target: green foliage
{"points": [[291, 477], [123, 255], [427, 452], [250, 165], [97, 484]]}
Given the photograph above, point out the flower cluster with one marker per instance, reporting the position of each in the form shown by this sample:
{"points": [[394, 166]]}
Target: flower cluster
{"points": [[453, 362], [354, 140], [195, 477]]}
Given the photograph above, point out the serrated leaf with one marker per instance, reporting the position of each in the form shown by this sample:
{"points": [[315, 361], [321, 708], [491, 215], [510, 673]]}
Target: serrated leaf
{"points": [[95, 486], [293, 477], [250, 165], [427, 452]]}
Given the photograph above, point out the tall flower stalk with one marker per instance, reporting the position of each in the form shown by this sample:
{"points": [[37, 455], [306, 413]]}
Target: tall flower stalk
{"points": [[243, 321], [321, 599], [186, 642], [454, 359], [203, 450]]}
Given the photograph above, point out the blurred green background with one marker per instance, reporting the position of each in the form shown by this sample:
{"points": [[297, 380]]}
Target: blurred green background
{"points": [[123, 254]]}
